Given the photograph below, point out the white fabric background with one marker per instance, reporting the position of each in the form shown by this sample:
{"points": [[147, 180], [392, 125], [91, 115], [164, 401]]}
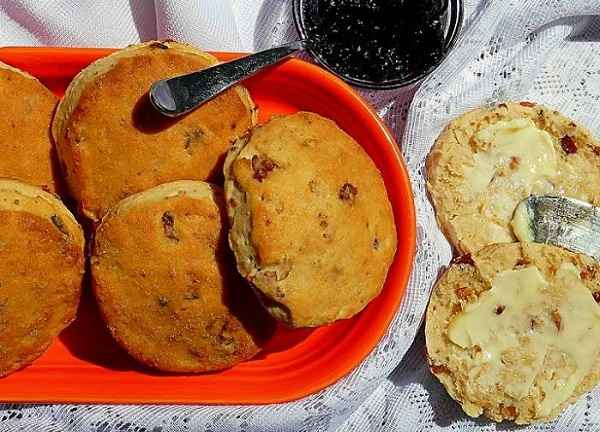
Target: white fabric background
{"points": [[544, 50]]}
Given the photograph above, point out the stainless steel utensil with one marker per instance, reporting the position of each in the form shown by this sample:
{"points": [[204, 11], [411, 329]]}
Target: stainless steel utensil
{"points": [[177, 96], [565, 222]]}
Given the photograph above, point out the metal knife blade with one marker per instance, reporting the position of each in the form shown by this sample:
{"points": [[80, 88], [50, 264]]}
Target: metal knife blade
{"points": [[565, 222]]}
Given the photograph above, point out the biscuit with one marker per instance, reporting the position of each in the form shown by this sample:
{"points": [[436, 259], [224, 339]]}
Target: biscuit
{"points": [[27, 149], [111, 141], [513, 331], [40, 272], [489, 159], [166, 283], [311, 225]]}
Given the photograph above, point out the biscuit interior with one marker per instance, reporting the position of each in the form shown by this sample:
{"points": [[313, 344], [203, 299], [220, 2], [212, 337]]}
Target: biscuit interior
{"points": [[40, 272], [489, 159], [512, 331], [311, 225], [167, 286]]}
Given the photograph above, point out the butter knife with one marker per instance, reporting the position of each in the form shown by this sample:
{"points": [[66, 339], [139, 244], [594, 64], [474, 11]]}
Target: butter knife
{"points": [[565, 222], [174, 97]]}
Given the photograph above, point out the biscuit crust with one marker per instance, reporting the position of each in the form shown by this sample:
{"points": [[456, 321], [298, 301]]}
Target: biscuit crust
{"points": [[40, 272], [462, 284], [27, 148], [311, 225], [166, 283], [471, 219], [111, 141]]}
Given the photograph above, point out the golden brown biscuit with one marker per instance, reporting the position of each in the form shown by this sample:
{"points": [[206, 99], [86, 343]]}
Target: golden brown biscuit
{"points": [[489, 159], [166, 283], [27, 149], [41, 245], [513, 332], [311, 225], [112, 143]]}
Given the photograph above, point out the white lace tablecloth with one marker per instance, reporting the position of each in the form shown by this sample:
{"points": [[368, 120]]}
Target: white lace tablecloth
{"points": [[543, 50]]}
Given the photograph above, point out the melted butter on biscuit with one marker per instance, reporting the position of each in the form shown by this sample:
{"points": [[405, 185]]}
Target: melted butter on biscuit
{"points": [[517, 141], [515, 159], [518, 321], [521, 223]]}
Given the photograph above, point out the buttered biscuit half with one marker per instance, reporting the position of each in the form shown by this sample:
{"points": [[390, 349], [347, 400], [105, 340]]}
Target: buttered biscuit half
{"points": [[489, 159], [513, 331]]}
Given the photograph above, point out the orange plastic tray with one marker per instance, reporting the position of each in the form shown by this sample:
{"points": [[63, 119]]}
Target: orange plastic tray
{"points": [[85, 365]]}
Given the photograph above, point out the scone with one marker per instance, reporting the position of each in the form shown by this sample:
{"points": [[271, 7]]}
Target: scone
{"points": [[488, 160], [166, 283], [41, 245], [513, 331], [311, 225], [27, 149], [111, 141]]}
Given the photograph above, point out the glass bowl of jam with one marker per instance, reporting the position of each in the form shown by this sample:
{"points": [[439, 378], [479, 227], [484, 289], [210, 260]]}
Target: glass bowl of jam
{"points": [[379, 44]]}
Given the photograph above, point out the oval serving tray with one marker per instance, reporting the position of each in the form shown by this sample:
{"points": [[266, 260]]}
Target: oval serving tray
{"points": [[85, 365]]}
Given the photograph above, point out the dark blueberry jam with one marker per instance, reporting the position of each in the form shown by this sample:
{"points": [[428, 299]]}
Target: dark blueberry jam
{"points": [[377, 40]]}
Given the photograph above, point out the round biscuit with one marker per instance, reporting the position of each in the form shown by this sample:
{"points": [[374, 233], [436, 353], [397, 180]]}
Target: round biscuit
{"points": [[28, 152], [42, 249], [113, 143], [166, 283], [311, 224]]}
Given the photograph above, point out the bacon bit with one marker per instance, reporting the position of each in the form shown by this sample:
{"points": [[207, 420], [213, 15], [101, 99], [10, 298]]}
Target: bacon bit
{"points": [[158, 45], [348, 192], [58, 223], [502, 105], [262, 167], [596, 150], [527, 104], [556, 318], [509, 412], [587, 273], [533, 323], [477, 348], [168, 222], [376, 244], [514, 162], [464, 293], [596, 296], [232, 203], [439, 369], [163, 301], [523, 261], [500, 309], [456, 308], [463, 259], [568, 144]]}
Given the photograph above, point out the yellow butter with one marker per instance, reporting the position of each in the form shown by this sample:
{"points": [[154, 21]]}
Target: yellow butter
{"points": [[532, 149], [521, 223], [517, 314]]}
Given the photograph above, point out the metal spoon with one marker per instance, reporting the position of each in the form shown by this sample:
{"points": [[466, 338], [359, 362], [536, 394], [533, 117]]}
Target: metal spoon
{"points": [[177, 96]]}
